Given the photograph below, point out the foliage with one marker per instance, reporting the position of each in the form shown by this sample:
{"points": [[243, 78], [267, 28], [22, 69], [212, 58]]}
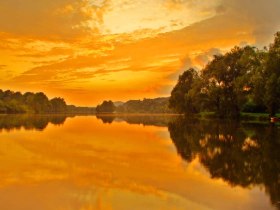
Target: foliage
{"points": [[243, 79], [272, 85], [185, 94], [106, 107], [157, 105], [16, 102], [58, 105]]}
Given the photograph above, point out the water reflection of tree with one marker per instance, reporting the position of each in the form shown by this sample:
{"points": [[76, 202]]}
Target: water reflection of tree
{"points": [[29, 122], [241, 154], [106, 118], [156, 120]]}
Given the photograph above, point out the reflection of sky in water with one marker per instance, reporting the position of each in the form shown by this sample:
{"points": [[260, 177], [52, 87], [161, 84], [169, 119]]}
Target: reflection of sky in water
{"points": [[85, 164]]}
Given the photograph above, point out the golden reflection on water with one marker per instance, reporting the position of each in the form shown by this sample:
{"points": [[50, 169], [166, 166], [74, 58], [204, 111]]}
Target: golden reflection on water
{"points": [[85, 165]]}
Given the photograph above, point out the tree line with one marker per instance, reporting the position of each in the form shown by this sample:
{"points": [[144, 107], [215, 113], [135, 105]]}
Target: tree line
{"points": [[16, 102], [37, 103], [245, 79], [156, 105]]}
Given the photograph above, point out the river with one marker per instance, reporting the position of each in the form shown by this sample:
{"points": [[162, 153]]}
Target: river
{"points": [[137, 162]]}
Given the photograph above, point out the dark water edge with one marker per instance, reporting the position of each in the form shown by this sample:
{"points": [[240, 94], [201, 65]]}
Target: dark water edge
{"points": [[40, 121], [242, 154]]}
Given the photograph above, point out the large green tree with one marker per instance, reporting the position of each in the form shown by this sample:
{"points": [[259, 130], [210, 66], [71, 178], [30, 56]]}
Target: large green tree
{"points": [[272, 76], [226, 81], [254, 63], [185, 94], [243, 79]]}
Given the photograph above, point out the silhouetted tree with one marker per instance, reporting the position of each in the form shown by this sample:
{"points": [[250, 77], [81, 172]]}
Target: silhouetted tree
{"points": [[272, 85], [106, 107], [15, 102], [156, 105], [183, 98], [243, 79], [58, 105]]}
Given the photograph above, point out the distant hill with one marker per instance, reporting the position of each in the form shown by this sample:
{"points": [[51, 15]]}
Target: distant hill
{"points": [[156, 105]]}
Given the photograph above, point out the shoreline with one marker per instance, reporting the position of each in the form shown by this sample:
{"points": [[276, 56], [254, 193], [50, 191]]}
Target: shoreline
{"points": [[244, 116]]}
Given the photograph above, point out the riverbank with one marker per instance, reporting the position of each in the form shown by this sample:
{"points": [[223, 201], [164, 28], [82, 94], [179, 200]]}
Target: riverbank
{"points": [[244, 116]]}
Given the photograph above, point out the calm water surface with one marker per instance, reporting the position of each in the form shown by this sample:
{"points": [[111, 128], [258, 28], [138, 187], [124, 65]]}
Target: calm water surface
{"points": [[137, 162]]}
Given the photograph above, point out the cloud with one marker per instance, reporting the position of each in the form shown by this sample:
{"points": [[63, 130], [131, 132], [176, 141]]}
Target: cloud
{"points": [[175, 4], [263, 16], [3, 66], [48, 19], [56, 51], [133, 65], [203, 58], [166, 15], [196, 60]]}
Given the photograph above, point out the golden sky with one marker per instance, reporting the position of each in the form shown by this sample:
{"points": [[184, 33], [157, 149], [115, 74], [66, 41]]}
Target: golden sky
{"points": [[87, 51]]}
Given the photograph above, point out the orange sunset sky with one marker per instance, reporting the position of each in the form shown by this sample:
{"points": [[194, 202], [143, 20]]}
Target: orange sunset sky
{"points": [[87, 51]]}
